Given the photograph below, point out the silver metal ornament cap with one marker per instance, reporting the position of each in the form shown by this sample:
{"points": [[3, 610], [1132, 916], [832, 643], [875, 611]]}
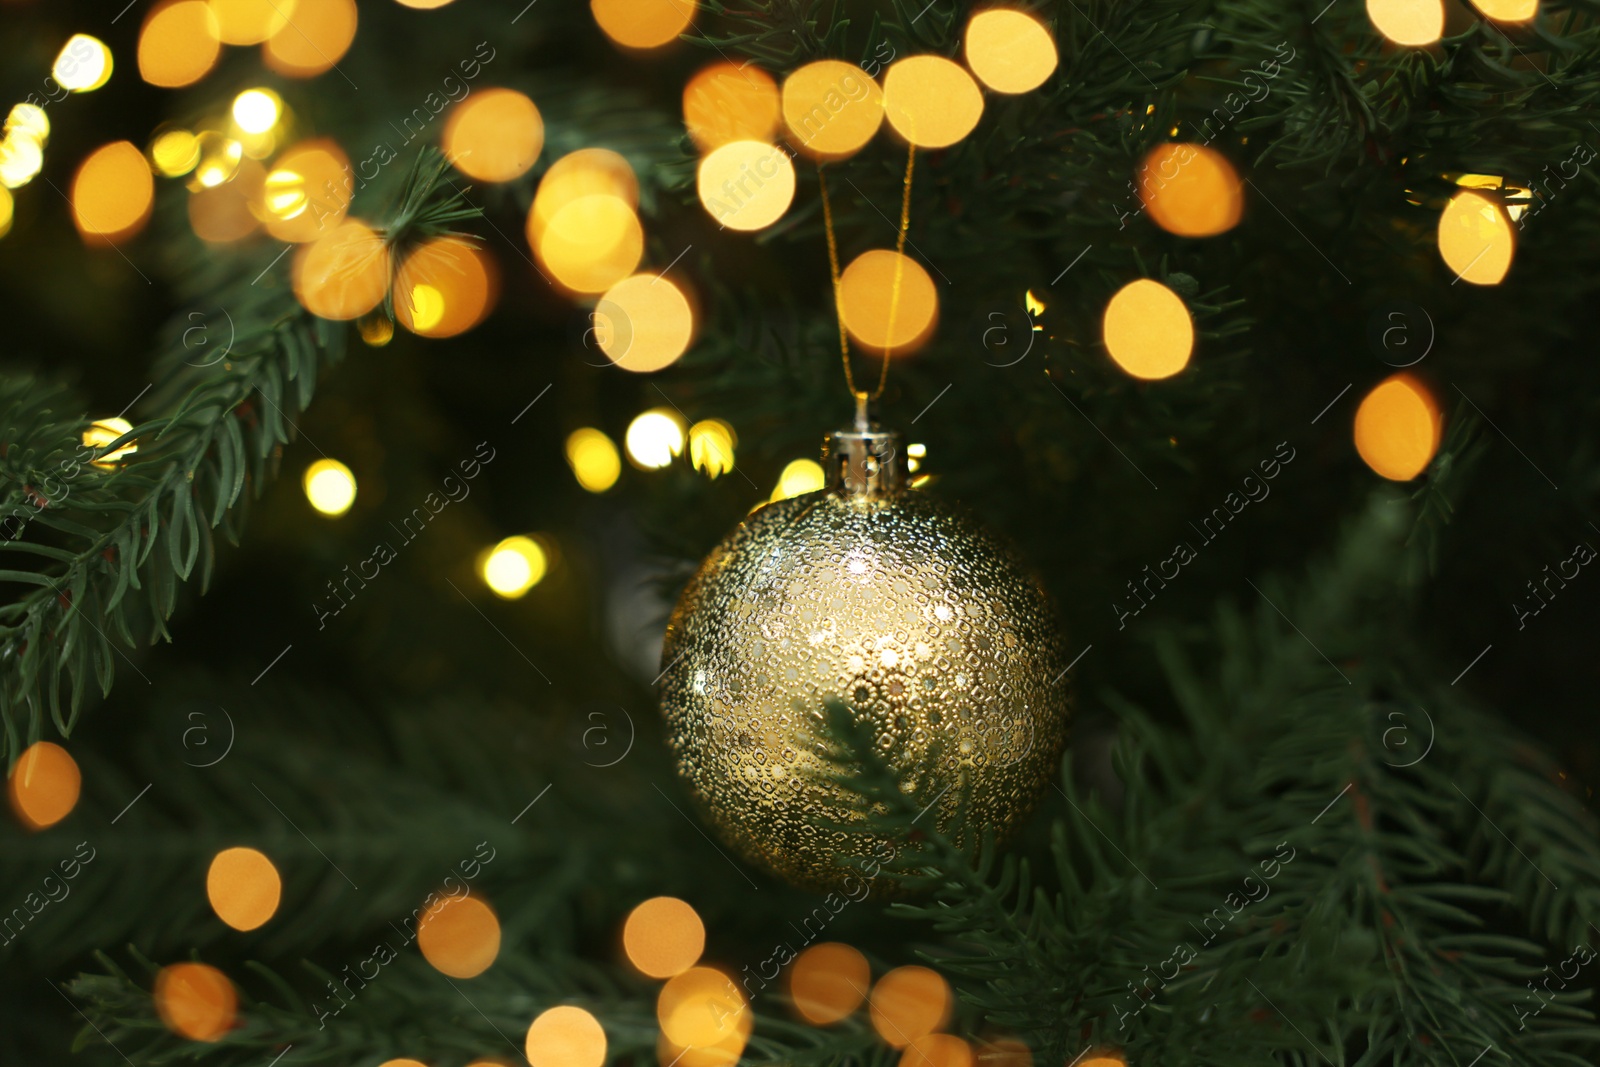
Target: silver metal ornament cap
{"points": [[865, 462]]}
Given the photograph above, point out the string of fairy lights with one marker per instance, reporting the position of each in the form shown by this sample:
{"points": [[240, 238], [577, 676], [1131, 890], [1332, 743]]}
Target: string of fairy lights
{"points": [[704, 1011]]}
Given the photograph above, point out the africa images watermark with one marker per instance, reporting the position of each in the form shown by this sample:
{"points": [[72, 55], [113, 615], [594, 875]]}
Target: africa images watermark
{"points": [[455, 491], [54, 890], [384, 953], [1152, 179], [1255, 489]]}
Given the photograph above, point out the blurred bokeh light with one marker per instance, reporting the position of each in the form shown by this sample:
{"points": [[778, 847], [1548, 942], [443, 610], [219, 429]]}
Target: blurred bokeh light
{"points": [[663, 937], [1398, 427], [44, 785], [1147, 330], [1010, 51]]}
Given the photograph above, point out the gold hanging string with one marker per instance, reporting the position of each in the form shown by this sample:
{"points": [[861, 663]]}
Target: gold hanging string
{"points": [[894, 291]]}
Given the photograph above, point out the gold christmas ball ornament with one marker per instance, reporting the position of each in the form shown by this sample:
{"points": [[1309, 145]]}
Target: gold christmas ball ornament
{"points": [[894, 603]]}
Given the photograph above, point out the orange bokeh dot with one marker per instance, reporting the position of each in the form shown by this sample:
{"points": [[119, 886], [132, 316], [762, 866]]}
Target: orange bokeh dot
{"points": [[343, 275], [566, 1036], [828, 982], [868, 304], [1104, 1060], [586, 172], [445, 287], [1147, 330], [643, 23], [315, 37], [307, 191], [663, 937], [196, 1001], [1004, 1052], [700, 1008], [908, 1003], [831, 108], [937, 1050], [494, 135], [112, 193], [1398, 427], [460, 936], [931, 101], [227, 212], [250, 21], [44, 786], [1191, 190], [724, 1053], [725, 103], [592, 243], [179, 44], [243, 887]]}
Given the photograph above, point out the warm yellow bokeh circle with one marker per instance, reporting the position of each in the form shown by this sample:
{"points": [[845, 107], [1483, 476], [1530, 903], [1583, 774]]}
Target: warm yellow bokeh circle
{"points": [[1147, 330]]}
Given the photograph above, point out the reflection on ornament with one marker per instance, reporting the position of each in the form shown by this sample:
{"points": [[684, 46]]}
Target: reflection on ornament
{"points": [[196, 1001], [512, 567], [831, 108], [112, 193], [494, 135], [1476, 238], [330, 487], [243, 887], [746, 185], [593, 459], [868, 306], [1010, 51], [725, 103], [910, 1003], [44, 785], [931, 101], [250, 21], [643, 23], [566, 1036], [828, 982], [663, 937], [1147, 330], [179, 44], [315, 36], [643, 323], [459, 936], [1408, 22], [1398, 427], [894, 603], [83, 65], [654, 437], [1190, 190]]}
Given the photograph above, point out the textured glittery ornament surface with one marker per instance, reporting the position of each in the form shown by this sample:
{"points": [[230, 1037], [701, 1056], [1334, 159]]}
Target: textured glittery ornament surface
{"points": [[903, 608]]}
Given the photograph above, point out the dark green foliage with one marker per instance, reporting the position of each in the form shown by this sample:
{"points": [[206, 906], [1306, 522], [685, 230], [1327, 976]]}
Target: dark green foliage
{"points": [[1299, 690]]}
